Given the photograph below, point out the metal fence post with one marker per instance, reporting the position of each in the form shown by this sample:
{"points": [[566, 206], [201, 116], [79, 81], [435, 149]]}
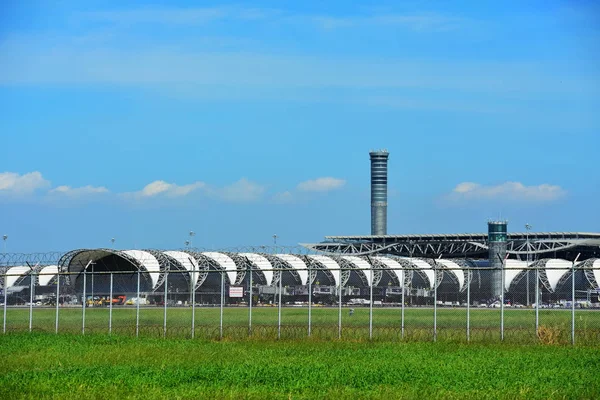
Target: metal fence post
{"points": [[165, 301], [309, 299], [573, 304], [250, 302], [573, 300], [31, 288], [137, 307], [222, 304], [84, 302], [371, 305], [92, 291], [502, 302], [5, 301], [434, 304], [279, 306], [340, 308], [537, 300], [57, 301], [110, 305], [193, 298], [403, 275], [469, 276]]}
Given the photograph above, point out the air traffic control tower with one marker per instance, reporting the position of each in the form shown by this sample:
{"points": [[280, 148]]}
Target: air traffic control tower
{"points": [[497, 242], [379, 161]]}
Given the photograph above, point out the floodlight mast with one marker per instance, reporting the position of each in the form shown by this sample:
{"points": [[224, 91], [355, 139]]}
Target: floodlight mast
{"points": [[192, 234], [4, 239]]}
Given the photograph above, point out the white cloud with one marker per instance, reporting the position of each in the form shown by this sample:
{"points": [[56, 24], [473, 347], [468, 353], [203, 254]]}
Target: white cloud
{"points": [[80, 191], [507, 191], [13, 183], [240, 191], [168, 189], [321, 184]]}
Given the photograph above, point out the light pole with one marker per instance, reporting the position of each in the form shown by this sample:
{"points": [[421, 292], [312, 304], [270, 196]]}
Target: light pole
{"points": [[275, 243], [4, 239], [112, 243], [527, 228], [192, 234], [187, 244]]}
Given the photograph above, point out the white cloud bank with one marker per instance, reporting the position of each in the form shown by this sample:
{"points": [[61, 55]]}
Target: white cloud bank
{"points": [[14, 183], [80, 191], [324, 184], [513, 191], [243, 190], [240, 191], [169, 189]]}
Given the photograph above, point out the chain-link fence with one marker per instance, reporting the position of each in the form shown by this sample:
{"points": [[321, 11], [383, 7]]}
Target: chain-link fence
{"points": [[302, 296]]}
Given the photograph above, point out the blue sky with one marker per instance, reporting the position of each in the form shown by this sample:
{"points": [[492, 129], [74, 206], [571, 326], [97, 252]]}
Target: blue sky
{"points": [[145, 120]]}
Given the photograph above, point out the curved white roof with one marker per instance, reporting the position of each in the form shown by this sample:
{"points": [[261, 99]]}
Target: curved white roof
{"points": [[394, 266], [362, 265], [455, 269], [555, 269], [297, 264], [512, 268], [188, 262], [15, 273], [262, 263], [46, 274], [427, 269], [148, 261], [596, 270], [225, 262], [330, 264]]}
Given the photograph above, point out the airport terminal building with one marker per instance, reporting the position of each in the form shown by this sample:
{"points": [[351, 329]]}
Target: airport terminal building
{"points": [[481, 267]]}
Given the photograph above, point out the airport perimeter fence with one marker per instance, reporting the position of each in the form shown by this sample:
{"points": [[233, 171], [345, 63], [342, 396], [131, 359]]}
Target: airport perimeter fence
{"points": [[537, 305]]}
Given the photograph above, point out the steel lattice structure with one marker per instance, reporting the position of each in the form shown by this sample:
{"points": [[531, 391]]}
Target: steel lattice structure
{"points": [[462, 245]]}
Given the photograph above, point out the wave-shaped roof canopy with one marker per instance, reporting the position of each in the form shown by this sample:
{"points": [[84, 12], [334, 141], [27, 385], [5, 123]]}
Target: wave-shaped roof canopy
{"points": [[188, 262], [330, 264], [14, 273], [154, 264], [225, 262], [297, 264], [263, 264], [46, 274], [394, 266]]}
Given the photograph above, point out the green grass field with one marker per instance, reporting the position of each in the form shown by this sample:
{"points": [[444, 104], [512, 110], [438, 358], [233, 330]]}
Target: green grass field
{"points": [[451, 323], [42, 365]]}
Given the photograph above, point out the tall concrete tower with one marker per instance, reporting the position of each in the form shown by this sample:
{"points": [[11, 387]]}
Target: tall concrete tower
{"points": [[497, 253], [379, 161]]}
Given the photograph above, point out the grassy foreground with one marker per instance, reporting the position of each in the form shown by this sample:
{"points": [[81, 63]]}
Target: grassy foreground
{"points": [[41, 365], [451, 323]]}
